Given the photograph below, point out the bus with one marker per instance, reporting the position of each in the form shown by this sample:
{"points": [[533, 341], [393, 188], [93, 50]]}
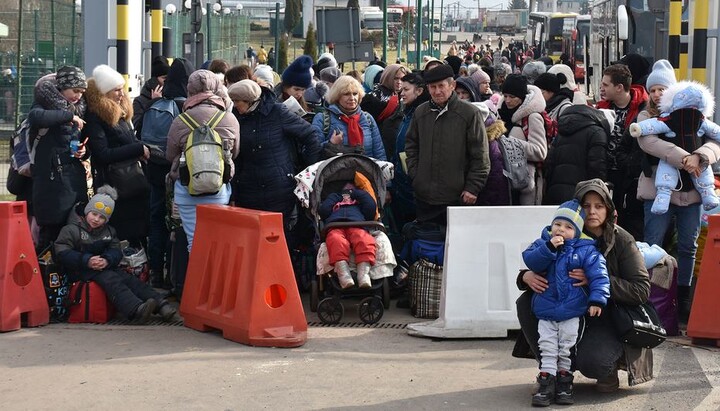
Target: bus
{"points": [[581, 40], [551, 33]]}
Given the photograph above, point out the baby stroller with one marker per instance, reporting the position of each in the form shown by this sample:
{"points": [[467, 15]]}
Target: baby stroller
{"points": [[314, 185]]}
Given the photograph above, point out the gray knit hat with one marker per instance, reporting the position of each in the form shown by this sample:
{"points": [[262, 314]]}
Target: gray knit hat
{"points": [[70, 77], [103, 202]]}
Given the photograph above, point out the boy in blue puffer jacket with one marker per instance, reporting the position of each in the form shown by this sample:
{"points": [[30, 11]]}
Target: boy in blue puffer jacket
{"points": [[352, 204], [561, 249]]}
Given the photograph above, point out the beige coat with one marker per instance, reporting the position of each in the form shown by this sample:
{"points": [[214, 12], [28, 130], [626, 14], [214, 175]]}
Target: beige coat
{"points": [[673, 154]]}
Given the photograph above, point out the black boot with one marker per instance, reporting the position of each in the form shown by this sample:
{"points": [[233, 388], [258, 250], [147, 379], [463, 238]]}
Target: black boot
{"points": [[546, 390], [684, 303], [564, 388]]}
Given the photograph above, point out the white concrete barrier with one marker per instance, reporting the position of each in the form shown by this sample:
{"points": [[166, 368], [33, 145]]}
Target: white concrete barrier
{"points": [[483, 253]]}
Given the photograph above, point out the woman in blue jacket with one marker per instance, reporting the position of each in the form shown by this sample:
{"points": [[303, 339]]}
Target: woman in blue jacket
{"points": [[344, 126], [275, 144]]}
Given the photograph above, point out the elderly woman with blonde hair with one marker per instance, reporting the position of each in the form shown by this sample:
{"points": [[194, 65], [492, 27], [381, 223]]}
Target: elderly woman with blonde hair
{"points": [[344, 126]]}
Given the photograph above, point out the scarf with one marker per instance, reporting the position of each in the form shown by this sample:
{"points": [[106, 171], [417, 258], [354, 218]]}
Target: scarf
{"points": [[390, 108], [506, 115], [355, 134], [201, 97], [50, 98]]}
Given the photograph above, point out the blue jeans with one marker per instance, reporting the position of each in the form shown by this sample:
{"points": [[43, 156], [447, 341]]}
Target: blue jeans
{"points": [[687, 221], [186, 204]]}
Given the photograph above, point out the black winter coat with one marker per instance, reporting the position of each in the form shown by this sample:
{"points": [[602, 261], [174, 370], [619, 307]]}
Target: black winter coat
{"points": [[275, 144], [142, 103], [578, 153]]}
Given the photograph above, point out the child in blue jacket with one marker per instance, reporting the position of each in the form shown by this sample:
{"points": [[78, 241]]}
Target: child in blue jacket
{"points": [[561, 249]]}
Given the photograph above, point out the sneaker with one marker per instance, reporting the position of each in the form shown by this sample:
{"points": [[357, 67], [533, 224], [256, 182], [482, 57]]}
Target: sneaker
{"points": [[167, 311], [546, 390], [363, 275], [611, 383], [564, 388], [342, 270], [144, 311]]}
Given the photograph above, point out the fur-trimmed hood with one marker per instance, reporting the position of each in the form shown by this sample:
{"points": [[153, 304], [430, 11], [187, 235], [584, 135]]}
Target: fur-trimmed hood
{"points": [[534, 103], [495, 130], [688, 94], [107, 110]]}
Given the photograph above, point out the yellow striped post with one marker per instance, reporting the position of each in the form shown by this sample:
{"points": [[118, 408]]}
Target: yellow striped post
{"points": [[123, 35], [674, 35], [684, 52], [699, 61], [157, 27]]}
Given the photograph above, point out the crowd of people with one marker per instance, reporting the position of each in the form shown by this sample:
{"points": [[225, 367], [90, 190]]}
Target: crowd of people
{"points": [[441, 125]]}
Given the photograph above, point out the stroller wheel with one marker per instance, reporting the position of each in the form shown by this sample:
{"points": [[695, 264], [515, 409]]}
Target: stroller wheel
{"points": [[330, 310], [314, 294], [370, 310]]}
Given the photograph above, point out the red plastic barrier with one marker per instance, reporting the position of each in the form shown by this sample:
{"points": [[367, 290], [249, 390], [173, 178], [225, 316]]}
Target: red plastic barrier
{"points": [[22, 295], [704, 322], [240, 279]]}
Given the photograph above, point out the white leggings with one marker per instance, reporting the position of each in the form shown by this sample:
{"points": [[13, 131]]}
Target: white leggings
{"points": [[556, 340]]}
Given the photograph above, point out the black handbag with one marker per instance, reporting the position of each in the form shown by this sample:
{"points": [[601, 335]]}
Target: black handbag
{"points": [[637, 325], [128, 178]]}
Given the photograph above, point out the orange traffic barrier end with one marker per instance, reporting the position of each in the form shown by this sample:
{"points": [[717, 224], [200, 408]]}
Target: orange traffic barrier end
{"points": [[704, 323], [22, 294], [240, 279]]}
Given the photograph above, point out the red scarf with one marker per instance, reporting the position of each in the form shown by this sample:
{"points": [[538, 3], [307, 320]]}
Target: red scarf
{"points": [[355, 134], [392, 104]]}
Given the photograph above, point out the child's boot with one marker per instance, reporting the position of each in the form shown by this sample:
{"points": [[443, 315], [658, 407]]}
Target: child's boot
{"points": [[342, 270], [709, 198], [363, 275], [546, 390], [144, 311], [662, 201], [564, 388], [166, 311]]}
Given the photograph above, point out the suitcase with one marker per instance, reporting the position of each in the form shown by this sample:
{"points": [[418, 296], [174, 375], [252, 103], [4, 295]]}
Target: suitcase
{"points": [[90, 304], [666, 304]]}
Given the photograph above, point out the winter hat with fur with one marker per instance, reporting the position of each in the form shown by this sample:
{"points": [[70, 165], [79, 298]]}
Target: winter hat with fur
{"points": [[103, 202], [70, 77], [572, 212], [106, 78], [569, 75], [688, 94], [298, 73], [662, 74], [265, 73]]}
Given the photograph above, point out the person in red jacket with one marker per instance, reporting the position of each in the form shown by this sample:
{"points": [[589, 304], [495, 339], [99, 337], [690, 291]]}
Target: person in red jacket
{"points": [[624, 155]]}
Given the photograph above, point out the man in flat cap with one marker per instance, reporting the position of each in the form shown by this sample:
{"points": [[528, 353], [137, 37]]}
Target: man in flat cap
{"points": [[447, 149]]}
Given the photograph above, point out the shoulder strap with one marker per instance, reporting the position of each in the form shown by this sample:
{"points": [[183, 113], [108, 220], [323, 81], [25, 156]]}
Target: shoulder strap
{"points": [[189, 121], [525, 129], [326, 122], [215, 119]]}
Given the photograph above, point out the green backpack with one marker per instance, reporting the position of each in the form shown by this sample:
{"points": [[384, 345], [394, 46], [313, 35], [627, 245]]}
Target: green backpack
{"points": [[202, 164]]}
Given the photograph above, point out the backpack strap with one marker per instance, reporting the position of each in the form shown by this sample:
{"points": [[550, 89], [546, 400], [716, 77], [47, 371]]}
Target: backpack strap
{"points": [[215, 119], [326, 122], [189, 121]]}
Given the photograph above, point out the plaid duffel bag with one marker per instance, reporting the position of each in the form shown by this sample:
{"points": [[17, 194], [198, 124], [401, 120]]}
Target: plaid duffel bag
{"points": [[425, 284]]}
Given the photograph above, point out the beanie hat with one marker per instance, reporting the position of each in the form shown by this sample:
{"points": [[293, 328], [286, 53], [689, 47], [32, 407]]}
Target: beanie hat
{"points": [[662, 74], [638, 65], [326, 60], [371, 72], [548, 82], [159, 66], [572, 212], [455, 62], [438, 73], [244, 90], [298, 73], [567, 72], [265, 73], [70, 77], [106, 78], [103, 202], [515, 85], [330, 74], [532, 70], [479, 76]]}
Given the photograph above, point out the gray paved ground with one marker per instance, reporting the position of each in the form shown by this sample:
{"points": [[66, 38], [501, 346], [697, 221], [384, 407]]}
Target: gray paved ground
{"points": [[120, 367]]}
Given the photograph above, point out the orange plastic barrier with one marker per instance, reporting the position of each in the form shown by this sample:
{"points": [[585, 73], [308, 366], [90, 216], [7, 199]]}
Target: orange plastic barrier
{"points": [[22, 295], [704, 322], [240, 279]]}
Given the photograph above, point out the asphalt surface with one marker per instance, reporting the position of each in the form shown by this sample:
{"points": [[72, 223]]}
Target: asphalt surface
{"points": [[160, 367]]}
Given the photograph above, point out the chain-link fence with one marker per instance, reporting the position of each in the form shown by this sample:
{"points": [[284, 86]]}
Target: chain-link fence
{"points": [[43, 36]]}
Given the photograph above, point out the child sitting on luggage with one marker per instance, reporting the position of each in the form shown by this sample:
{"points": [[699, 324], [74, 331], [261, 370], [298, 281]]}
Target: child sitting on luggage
{"points": [[90, 249], [352, 204], [561, 249]]}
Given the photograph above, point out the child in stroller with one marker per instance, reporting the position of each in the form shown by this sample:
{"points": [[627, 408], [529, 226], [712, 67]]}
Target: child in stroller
{"points": [[350, 205]]}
